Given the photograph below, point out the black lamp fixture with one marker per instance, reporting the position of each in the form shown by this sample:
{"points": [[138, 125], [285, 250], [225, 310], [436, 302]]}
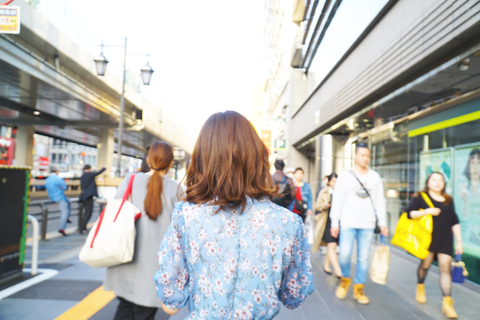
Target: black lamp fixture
{"points": [[101, 64], [147, 73]]}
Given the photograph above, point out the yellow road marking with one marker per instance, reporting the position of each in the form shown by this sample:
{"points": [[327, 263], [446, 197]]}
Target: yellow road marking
{"points": [[90, 305]]}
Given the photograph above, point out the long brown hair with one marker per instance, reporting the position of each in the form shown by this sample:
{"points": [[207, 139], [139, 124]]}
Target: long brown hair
{"points": [[229, 163], [447, 197], [160, 156]]}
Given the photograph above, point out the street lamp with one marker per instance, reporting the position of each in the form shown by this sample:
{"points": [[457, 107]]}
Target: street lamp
{"points": [[147, 71], [101, 64]]}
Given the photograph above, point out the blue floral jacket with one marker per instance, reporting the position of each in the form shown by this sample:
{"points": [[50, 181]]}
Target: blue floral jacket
{"points": [[231, 265]]}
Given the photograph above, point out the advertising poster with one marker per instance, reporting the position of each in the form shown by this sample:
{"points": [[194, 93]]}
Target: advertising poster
{"points": [[467, 196], [440, 160]]}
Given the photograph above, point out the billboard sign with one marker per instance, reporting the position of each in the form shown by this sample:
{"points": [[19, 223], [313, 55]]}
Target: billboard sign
{"points": [[9, 19]]}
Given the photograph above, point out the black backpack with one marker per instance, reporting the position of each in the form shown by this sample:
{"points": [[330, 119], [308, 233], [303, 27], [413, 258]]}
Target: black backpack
{"points": [[285, 193]]}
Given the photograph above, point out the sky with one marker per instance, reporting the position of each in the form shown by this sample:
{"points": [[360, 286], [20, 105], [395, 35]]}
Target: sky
{"points": [[207, 55]]}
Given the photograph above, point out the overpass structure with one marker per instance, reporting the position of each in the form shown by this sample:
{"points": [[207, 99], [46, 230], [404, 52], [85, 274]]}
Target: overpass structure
{"points": [[49, 86]]}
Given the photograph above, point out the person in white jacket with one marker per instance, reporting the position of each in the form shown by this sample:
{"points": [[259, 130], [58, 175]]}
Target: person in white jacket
{"points": [[358, 201]]}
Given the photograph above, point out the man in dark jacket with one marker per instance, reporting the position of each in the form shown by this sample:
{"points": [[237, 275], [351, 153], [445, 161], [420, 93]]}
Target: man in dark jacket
{"points": [[89, 190]]}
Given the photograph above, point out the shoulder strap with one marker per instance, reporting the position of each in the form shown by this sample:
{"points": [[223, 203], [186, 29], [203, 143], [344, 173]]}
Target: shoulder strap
{"points": [[427, 199], [368, 193], [128, 191]]}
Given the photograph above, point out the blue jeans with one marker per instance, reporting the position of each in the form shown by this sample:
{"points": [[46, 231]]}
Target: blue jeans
{"points": [[65, 210], [364, 240]]}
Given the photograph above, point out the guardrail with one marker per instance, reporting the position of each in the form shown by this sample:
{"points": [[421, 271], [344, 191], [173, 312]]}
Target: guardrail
{"points": [[46, 214], [71, 184]]}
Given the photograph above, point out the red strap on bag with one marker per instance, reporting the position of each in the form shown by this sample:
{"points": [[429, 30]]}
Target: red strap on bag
{"points": [[127, 193]]}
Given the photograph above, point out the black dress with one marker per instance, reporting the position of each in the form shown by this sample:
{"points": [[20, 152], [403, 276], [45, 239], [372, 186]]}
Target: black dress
{"points": [[442, 234], [327, 236]]}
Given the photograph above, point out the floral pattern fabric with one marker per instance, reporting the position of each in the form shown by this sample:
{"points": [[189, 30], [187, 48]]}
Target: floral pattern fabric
{"points": [[231, 265]]}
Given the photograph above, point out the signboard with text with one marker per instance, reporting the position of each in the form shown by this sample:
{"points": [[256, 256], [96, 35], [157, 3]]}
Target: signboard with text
{"points": [[9, 19]]}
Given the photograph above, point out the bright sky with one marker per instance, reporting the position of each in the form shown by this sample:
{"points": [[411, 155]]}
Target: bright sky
{"points": [[207, 55]]}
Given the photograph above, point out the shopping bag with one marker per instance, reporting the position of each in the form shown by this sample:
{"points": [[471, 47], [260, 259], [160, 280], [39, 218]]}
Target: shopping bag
{"points": [[459, 272], [309, 229], [415, 235], [380, 263], [111, 240]]}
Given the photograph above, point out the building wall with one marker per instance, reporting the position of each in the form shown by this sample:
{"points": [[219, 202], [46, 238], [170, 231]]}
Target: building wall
{"points": [[412, 37]]}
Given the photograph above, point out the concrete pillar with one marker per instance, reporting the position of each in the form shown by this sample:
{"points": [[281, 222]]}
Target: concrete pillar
{"points": [[299, 88], [105, 150], [24, 145]]}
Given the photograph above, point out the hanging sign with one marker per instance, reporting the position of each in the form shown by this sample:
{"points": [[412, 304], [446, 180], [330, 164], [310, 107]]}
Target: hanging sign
{"points": [[9, 19]]}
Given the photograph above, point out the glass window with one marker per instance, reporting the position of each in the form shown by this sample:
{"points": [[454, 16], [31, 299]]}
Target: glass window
{"points": [[54, 157], [350, 20]]}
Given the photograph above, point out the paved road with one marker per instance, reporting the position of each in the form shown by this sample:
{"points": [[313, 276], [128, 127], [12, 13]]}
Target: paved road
{"points": [[74, 281]]}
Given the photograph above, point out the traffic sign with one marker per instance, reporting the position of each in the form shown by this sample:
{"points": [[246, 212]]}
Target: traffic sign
{"points": [[9, 19]]}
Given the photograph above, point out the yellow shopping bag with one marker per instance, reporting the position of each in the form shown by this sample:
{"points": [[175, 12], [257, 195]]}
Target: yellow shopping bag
{"points": [[415, 235]]}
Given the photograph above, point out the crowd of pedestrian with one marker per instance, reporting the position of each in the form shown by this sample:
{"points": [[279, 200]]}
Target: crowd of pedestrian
{"points": [[232, 244]]}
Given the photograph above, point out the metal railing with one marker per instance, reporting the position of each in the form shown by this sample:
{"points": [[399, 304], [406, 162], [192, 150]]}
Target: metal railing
{"points": [[48, 210]]}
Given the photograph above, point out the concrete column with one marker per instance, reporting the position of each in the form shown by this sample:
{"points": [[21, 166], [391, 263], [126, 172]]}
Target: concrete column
{"points": [[299, 88], [105, 150], [24, 145]]}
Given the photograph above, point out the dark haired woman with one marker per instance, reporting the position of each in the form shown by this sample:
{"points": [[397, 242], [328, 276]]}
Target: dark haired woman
{"points": [[155, 195], [445, 227], [230, 252], [332, 243]]}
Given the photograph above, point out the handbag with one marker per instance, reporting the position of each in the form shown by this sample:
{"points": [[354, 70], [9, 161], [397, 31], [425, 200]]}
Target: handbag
{"points": [[377, 228], [380, 263], [459, 272], [111, 240], [300, 205], [415, 235]]}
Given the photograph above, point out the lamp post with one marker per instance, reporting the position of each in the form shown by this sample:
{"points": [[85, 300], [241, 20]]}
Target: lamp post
{"points": [[147, 72]]}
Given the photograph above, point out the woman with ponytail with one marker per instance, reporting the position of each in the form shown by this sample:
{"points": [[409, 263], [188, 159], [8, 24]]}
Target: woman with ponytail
{"points": [[155, 194]]}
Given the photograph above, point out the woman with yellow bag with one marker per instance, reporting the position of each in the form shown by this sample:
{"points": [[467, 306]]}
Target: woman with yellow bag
{"points": [[446, 225]]}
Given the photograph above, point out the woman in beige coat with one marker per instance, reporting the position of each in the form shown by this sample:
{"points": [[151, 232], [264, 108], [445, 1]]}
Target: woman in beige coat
{"points": [[322, 231]]}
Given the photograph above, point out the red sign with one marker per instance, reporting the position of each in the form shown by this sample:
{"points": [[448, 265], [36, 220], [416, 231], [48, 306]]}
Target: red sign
{"points": [[7, 150], [43, 162]]}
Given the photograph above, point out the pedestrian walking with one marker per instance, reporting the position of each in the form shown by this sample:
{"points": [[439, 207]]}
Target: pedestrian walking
{"points": [[358, 201], [445, 227], [56, 192], [325, 203], [89, 190], [230, 252], [155, 195], [289, 172], [303, 196], [285, 185]]}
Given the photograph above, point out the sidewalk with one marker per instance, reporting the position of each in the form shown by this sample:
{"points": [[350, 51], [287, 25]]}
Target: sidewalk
{"points": [[53, 297]]}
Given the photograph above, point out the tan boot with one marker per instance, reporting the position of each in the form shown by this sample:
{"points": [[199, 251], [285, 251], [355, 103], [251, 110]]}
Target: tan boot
{"points": [[420, 295], [447, 308], [342, 288], [359, 295]]}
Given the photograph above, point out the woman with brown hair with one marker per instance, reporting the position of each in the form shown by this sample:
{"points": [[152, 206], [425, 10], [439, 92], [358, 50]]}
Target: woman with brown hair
{"points": [[155, 194], [230, 252], [445, 227]]}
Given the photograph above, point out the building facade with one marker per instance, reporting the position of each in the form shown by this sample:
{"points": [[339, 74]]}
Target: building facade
{"points": [[404, 77]]}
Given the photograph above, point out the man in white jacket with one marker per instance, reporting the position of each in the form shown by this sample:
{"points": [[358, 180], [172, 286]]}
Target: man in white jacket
{"points": [[357, 202]]}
